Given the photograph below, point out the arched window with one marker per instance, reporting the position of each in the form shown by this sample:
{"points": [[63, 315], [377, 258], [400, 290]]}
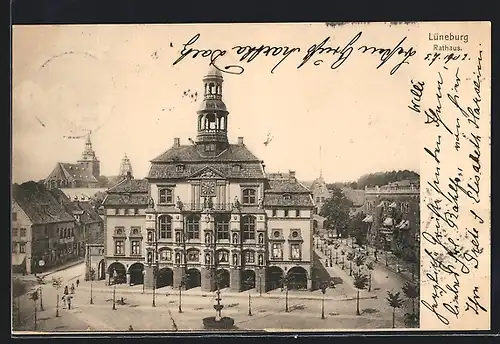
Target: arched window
{"points": [[165, 223], [193, 227], [235, 259], [223, 256], [249, 257], [222, 227], [166, 196], [193, 255], [249, 196], [248, 228], [177, 237], [207, 259]]}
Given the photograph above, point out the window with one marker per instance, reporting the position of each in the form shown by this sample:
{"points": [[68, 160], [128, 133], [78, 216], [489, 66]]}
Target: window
{"points": [[14, 232], [317, 199], [295, 234], [222, 227], [235, 259], [23, 232], [223, 257], [136, 211], [117, 211], [119, 249], [285, 213], [14, 247], [193, 227], [136, 247], [136, 230], [261, 259], [210, 147], [177, 237], [236, 168], [248, 228], [22, 248], [193, 256], [250, 257], [179, 168], [287, 197], [166, 255], [261, 238], [14, 216], [277, 234], [166, 196], [322, 199], [165, 227], [177, 258], [274, 213], [127, 211], [295, 251], [249, 196], [277, 251], [150, 257]]}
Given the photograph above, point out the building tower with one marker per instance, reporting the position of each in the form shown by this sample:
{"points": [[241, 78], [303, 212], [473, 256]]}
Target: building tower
{"points": [[89, 160], [125, 168], [212, 116]]}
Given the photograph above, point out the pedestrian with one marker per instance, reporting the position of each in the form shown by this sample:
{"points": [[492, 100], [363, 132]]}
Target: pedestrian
{"points": [[130, 328], [66, 290], [63, 298], [69, 302], [77, 283], [72, 288]]}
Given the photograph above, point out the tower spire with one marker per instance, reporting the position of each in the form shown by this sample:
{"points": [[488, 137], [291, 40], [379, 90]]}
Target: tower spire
{"points": [[88, 152]]}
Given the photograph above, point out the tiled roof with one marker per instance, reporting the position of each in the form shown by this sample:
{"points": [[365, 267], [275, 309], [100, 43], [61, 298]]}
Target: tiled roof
{"points": [[247, 170], [303, 200], [126, 199], [85, 209], [39, 204], [130, 186], [71, 172], [286, 186], [60, 196], [189, 153]]}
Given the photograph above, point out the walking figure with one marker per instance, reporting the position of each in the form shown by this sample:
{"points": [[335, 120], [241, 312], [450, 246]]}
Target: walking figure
{"points": [[69, 302], [77, 283], [72, 288], [66, 290], [63, 298]]}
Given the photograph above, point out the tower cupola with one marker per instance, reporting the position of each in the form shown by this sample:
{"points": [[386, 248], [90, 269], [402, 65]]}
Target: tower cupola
{"points": [[212, 116]]}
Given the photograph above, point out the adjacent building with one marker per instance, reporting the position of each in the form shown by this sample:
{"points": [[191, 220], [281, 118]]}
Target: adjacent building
{"points": [[42, 230], [393, 216], [209, 216], [84, 174]]}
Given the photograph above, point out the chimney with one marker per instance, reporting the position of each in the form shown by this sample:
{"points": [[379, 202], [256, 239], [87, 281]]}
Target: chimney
{"points": [[291, 174], [177, 142], [240, 140]]}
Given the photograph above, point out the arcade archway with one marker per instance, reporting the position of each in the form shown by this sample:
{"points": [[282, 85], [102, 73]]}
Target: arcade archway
{"points": [[121, 273], [194, 278], [224, 278], [297, 277], [248, 279], [274, 277], [136, 273], [101, 270], [165, 278]]}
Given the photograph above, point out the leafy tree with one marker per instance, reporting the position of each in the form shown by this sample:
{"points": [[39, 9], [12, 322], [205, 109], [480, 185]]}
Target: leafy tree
{"points": [[394, 301], [384, 178], [350, 257], [336, 210], [411, 292], [411, 320], [357, 229], [360, 282], [97, 199], [359, 261]]}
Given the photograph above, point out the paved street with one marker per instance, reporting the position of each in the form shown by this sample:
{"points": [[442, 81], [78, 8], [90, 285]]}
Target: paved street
{"points": [[268, 311]]}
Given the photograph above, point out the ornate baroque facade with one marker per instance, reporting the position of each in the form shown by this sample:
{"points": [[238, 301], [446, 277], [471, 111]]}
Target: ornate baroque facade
{"points": [[209, 214]]}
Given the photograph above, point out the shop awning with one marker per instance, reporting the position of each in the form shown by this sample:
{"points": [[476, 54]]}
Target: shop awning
{"points": [[18, 259], [393, 205], [368, 218], [388, 221]]}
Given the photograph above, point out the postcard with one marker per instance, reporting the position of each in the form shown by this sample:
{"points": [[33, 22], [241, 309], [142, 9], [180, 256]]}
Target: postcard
{"points": [[251, 177]]}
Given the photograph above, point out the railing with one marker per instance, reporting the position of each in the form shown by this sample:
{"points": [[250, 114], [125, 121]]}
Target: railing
{"points": [[393, 189], [213, 206]]}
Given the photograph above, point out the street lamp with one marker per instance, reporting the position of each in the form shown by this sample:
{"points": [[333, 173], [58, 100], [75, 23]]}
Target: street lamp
{"points": [[92, 274], [323, 291], [115, 274], [143, 275]]}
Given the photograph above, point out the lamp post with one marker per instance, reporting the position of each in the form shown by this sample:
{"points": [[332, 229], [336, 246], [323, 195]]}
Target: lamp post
{"points": [[115, 274], [143, 275], [323, 291], [92, 274]]}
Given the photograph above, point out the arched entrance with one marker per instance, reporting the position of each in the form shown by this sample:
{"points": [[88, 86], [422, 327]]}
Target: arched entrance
{"points": [[223, 278], [274, 277], [165, 278], [248, 279], [194, 278], [101, 270], [136, 273], [298, 278], [121, 273]]}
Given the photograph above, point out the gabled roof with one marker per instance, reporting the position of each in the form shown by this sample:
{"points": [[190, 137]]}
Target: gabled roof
{"points": [[357, 197], [85, 210], [281, 186], [245, 170], [71, 172], [130, 186], [286, 186], [128, 192], [190, 153], [39, 204]]}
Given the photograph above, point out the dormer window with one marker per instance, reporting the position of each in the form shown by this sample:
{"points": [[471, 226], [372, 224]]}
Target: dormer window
{"points": [[179, 168], [210, 147], [287, 197], [236, 168]]}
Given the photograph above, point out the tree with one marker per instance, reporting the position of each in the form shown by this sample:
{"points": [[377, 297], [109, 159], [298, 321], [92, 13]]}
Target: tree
{"points": [[411, 320], [384, 178], [360, 282], [370, 268], [286, 282], [184, 283], [323, 287], [102, 182], [411, 292], [394, 301], [356, 229], [350, 257], [360, 260], [336, 210], [34, 297], [97, 199]]}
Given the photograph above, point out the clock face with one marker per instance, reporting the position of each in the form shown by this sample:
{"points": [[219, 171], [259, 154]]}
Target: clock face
{"points": [[208, 188]]}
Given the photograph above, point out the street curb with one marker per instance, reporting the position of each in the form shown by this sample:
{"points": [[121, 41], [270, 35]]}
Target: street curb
{"points": [[60, 268], [266, 296]]}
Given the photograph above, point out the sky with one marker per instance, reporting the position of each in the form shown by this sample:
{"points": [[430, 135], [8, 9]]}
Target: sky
{"points": [[120, 82]]}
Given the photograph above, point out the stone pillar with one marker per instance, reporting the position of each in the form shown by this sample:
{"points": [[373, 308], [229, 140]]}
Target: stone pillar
{"points": [[128, 277], [148, 277], [206, 280], [235, 280], [260, 280], [178, 272], [309, 284]]}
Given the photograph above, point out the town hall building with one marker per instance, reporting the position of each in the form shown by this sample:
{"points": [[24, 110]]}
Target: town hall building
{"points": [[208, 215]]}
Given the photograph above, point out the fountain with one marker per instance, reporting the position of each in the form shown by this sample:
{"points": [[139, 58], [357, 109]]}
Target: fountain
{"points": [[218, 322]]}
